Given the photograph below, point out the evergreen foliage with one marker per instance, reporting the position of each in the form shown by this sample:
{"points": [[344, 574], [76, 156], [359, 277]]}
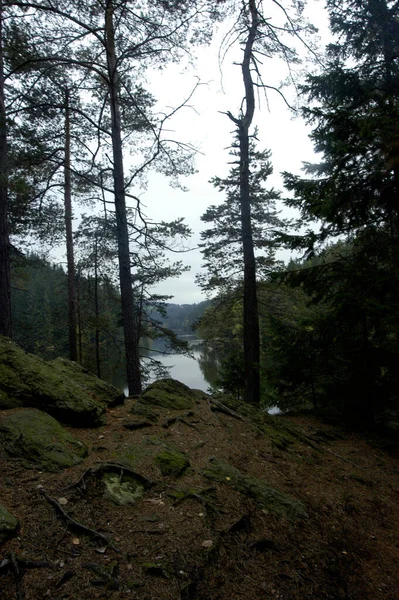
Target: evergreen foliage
{"points": [[350, 338]]}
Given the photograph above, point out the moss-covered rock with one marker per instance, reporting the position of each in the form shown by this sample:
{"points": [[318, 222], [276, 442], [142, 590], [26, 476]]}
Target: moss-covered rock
{"points": [[40, 440], [277, 502], [8, 524], [122, 490], [169, 393], [141, 410], [172, 463], [61, 387]]}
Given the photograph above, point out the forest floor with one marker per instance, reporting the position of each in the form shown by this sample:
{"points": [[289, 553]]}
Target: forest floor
{"points": [[194, 538]]}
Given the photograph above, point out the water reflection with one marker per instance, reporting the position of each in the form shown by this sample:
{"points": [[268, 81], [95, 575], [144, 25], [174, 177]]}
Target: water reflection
{"points": [[198, 371]]}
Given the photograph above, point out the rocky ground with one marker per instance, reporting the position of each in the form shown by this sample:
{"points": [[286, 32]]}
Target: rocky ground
{"points": [[179, 495]]}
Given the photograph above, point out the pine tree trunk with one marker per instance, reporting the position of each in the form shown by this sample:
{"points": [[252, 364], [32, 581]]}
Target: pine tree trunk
{"points": [[250, 310], [250, 314], [128, 308], [79, 322], [5, 285], [97, 310], [72, 325]]}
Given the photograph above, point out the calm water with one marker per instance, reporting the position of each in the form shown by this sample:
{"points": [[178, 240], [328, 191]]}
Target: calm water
{"points": [[197, 372]]}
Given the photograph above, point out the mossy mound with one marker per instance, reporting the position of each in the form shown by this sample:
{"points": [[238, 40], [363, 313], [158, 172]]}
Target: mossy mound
{"points": [[172, 463], [277, 502], [40, 440], [169, 393], [8, 524], [145, 412], [61, 387]]}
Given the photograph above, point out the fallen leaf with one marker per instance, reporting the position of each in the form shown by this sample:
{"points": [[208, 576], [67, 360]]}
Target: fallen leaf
{"points": [[76, 541]]}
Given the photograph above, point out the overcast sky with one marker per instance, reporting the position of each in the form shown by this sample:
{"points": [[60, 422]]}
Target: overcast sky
{"points": [[211, 132]]}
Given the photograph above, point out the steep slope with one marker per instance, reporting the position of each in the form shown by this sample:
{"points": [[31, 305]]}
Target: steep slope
{"points": [[207, 502]]}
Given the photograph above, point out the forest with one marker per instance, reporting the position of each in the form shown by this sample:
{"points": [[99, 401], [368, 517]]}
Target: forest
{"points": [[80, 134]]}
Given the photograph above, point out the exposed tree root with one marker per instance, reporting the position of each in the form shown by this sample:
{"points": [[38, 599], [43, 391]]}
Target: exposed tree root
{"points": [[219, 406], [18, 566], [93, 471], [75, 524]]}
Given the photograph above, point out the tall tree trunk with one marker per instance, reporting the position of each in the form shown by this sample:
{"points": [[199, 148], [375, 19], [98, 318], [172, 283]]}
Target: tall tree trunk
{"points": [[72, 325], [79, 322], [128, 308], [5, 285], [97, 309], [250, 309]]}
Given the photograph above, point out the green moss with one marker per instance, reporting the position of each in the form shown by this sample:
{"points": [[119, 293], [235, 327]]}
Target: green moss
{"points": [[40, 440], [172, 463], [277, 502], [168, 393], [8, 524], [61, 387], [122, 490], [144, 411]]}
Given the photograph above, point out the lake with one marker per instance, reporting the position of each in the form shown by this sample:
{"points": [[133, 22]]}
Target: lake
{"points": [[198, 372]]}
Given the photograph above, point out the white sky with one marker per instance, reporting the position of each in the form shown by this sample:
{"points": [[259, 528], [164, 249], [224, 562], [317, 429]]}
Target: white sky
{"points": [[210, 131]]}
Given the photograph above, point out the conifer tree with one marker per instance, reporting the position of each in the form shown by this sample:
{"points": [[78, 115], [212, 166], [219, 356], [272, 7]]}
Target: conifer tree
{"points": [[354, 192]]}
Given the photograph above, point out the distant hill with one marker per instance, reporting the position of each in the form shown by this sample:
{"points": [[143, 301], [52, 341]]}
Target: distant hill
{"points": [[181, 318]]}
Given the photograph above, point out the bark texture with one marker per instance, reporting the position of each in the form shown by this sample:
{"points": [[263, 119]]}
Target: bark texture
{"points": [[128, 307], [5, 285], [72, 321], [250, 310]]}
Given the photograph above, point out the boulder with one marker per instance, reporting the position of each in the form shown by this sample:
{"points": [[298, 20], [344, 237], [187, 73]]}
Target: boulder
{"points": [[40, 441], [170, 394], [61, 387], [8, 524], [267, 497]]}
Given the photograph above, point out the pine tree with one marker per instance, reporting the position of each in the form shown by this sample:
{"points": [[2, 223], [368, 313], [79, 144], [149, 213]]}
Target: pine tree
{"points": [[222, 242], [354, 191]]}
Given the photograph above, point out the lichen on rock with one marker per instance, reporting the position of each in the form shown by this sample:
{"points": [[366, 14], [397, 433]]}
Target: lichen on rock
{"points": [[40, 440], [122, 490]]}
